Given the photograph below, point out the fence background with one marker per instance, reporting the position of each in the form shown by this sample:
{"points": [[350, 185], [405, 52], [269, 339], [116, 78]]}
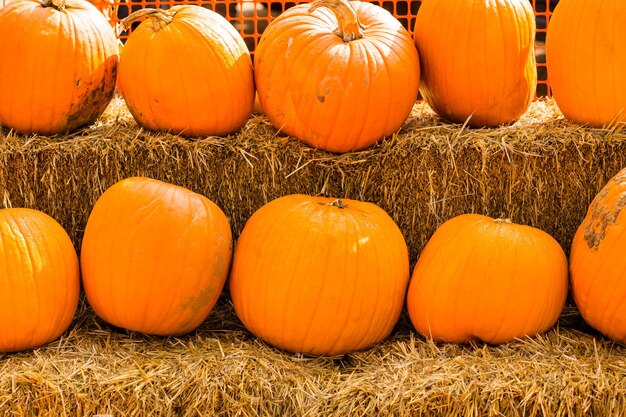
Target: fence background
{"points": [[251, 17]]}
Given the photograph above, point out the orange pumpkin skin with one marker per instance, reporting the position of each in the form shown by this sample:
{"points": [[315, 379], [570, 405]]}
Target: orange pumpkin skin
{"points": [[489, 280], [39, 279], [597, 264], [333, 94], [586, 59], [478, 59], [57, 67], [311, 277], [154, 256], [192, 76]]}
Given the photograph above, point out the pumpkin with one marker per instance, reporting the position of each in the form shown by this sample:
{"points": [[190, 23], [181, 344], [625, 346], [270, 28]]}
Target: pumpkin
{"points": [[154, 256], [586, 60], [337, 75], [187, 71], [478, 59], [58, 65], [488, 280], [597, 263], [318, 275], [39, 279]]}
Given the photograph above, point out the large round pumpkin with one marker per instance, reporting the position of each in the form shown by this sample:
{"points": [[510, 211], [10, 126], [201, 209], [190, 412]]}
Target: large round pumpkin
{"points": [[337, 75], [154, 256], [187, 71], [39, 279], [478, 59], [318, 275], [598, 264], [586, 59], [58, 65], [488, 280]]}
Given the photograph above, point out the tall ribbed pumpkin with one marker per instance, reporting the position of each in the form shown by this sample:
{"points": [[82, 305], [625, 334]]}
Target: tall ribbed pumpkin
{"points": [[597, 262], [187, 71], [478, 59], [586, 59], [337, 75], [154, 256], [319, 276], [489, 280], [39, 279], [58, 65]]}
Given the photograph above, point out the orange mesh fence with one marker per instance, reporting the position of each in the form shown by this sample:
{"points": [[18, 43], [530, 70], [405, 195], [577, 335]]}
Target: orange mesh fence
{"points": [[251, 17]]}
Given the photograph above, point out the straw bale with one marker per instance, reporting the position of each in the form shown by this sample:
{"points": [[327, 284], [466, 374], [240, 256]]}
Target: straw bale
{"points": [[541, 171], [221, 370]]}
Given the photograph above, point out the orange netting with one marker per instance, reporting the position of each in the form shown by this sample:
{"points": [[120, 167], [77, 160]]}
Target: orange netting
{"points": [[251, 17]]}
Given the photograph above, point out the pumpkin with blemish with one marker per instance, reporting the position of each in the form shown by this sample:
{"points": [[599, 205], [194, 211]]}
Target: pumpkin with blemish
{"points": [[487, 279], [337, 75], [58, 65], [319, 276], [39, 279], [598, 264], [154, 256]]}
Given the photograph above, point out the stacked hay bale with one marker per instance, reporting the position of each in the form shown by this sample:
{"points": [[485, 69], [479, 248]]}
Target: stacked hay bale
{"points": [[541, 171]]}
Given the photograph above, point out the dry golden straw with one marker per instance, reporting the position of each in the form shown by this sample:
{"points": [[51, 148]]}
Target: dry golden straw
{"points": [[541, 171]]}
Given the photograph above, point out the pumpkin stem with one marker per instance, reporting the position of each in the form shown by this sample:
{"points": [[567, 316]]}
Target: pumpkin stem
{"points": [[57, 4], [506, 221], [337, 203], [159, 18], [349, 28]]}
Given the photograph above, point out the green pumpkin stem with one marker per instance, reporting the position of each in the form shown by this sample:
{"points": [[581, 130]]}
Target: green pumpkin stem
{"points": [[350, 28], [159, 17]]}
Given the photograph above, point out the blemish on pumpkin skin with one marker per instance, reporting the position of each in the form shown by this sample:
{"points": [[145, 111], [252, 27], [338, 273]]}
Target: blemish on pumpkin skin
{"points": [[602, 215], [89, 106], [321, 98]]}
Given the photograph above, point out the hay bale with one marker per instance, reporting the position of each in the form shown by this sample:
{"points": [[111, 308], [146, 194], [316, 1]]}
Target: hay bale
{"points": [[541, 171], [221, 370]]}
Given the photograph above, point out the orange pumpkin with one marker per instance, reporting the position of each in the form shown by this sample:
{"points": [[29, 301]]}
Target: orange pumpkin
{"points": [[58, 65], [187, 71], [489, 280], [154, 256], [597, 263], [586, 59], [319, 276], [39, 279], [478, 59], [337, 75]]}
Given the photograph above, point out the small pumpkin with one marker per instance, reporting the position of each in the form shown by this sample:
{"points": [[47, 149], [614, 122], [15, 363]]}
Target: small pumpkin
{"points": [[597, 263], [337, 75], [39, 279], [187, 71], [58, 65], [586, 60], [318, 275], [154, 256], [478, 59], [488, 280]]}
